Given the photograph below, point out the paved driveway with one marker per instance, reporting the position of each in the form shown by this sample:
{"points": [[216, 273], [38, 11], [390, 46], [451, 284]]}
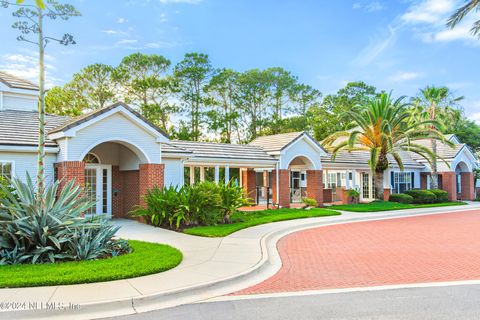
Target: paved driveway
{"points": [[433, 248]]}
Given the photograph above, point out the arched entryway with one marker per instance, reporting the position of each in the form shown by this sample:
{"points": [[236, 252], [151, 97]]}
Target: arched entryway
{"points": [[298, 177], [111, 176]]}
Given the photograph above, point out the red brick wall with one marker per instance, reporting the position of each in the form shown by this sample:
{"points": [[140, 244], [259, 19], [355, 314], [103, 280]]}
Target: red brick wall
{"points": [[449, 184], [327, 195], [129, 192], [386, 194], [468, 190], [284, 188], [150, 175], [117, 199], [68, 170], [315, 186], [423, 180], [249, 183]]}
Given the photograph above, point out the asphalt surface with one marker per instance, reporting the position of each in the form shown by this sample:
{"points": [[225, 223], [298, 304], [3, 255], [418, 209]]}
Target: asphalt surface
{"points": [[448, 302]]}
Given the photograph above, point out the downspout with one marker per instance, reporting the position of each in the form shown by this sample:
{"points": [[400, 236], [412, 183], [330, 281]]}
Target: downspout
{"points": [[277, 181]]}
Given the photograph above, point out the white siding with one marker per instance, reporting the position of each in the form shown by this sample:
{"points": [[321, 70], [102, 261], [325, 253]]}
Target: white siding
{"points": [[300, 148], [24, 162], [115, 128], [173, 172], [19, 102]]}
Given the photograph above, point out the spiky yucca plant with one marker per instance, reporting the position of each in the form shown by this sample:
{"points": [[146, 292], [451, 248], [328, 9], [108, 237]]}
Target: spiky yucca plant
{"points": [[47, 229]]}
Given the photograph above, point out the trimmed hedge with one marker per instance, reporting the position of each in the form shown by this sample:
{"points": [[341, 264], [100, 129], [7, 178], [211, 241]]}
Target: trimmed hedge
{"points": [[442, 195], [422, 196], [401, 198]]}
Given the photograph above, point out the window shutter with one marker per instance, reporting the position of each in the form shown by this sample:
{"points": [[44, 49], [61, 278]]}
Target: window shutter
{"points": [[413, 179], [392, 180]]}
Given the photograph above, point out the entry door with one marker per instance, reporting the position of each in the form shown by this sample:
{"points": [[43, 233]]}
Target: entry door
{"points": [[296, 191], [366, 191], [98, 188]]}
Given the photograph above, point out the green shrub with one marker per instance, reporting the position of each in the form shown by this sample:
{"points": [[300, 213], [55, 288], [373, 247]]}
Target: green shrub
{"points": [[233, 197], [353, 193], [401, 198], [309, 202], [422, 196], [205, 203], [5, 186], [51, 227], [442, 195]]}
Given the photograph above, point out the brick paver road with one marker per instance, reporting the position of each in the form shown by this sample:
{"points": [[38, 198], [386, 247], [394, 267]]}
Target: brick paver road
{"points": [[441, 247]]}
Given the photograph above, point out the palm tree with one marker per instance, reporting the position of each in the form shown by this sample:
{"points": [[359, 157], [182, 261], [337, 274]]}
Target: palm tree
{"points": [[382, 130], [435, 104], [460, 13]]}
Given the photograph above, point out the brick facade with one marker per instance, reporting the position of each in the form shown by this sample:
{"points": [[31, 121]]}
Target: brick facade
{"points": [[386, 194], [315, 186], [150, 175], [449, 184], [129, 192], [249, 183], [423, 180], [468, 190], [68, 170], [284, 188]]}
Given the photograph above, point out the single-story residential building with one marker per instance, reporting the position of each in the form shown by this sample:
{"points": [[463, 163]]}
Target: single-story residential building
{"points": [[118, 155]]}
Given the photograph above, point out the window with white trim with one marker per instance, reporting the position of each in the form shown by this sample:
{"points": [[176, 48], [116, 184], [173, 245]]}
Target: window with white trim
{"points": [[6, 169], [402, 181]]}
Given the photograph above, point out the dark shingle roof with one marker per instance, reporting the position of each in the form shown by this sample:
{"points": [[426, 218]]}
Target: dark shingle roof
{"points": [[223, 150], [21, 127], [16, 83]]}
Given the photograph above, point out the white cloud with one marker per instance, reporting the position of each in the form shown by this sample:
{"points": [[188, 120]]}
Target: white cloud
{"points": [[376, 47], [369, 7], [405, 76], [121, 20], [25, 66], [428, 17], [126, 42], [160, 44], [180, 1]]}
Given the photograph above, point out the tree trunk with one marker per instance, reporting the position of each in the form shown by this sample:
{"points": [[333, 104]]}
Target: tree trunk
{"points": [[41, 109], [378, 182], [434, 184]]}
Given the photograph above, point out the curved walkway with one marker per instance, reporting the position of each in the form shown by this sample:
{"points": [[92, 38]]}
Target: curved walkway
{"points": [[434, 248], [211, 267]]}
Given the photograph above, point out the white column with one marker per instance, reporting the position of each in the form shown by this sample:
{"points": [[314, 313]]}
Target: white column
{"points": [[227, 174], [354, 178], [217, 174], [192, 175], [347, 179], [202, 174]]}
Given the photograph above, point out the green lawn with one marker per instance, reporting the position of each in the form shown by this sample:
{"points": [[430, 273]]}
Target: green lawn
{"points": [[242, 220], [387, 206], [146, 258]]}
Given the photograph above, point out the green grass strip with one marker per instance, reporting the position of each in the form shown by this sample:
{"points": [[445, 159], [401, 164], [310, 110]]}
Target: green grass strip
{"points": [[242, 220], [387, 206], [146, 258]]}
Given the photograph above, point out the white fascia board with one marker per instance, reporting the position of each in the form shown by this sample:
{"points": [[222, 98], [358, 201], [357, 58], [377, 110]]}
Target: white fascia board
{"points": [[175, 155], [72, 132], [309, 141], [208, 162], [28, 149]]}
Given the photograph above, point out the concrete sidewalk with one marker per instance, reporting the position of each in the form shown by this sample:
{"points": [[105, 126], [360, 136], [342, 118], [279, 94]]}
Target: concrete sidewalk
{"points": [[211, 267]]}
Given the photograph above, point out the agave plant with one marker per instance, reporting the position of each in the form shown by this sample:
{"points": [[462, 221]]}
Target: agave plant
{"points": [[43, 229]]}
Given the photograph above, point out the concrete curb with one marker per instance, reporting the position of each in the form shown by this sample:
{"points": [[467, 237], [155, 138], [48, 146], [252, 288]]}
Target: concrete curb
{"points": [[266, 267]]}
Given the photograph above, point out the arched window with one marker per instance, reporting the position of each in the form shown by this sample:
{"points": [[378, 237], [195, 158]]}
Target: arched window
{"points": [[91, 158]]}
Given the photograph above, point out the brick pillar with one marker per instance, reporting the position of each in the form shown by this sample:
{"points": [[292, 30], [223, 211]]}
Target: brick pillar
{"points": [[68, 170], [468, 189], [423, 180], [315, 186], [117, 193], [274, 187], [449, 184], [249, 183], [150, 175], [386, 194], [284, 188]]}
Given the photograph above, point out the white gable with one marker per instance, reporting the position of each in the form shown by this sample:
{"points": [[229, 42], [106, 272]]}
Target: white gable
{"points": [[305, 148]]}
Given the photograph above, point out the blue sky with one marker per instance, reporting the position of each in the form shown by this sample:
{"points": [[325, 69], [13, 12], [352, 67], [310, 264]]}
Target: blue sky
{"points": [[398, 45]]}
